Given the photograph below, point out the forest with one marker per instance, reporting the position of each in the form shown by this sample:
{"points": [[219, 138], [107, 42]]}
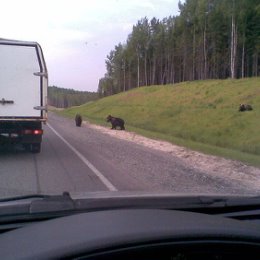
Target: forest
{"points": [[63, 98], [209, 39]]}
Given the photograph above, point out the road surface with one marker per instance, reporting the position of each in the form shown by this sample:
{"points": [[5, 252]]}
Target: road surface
{"points": [[81, 159]]}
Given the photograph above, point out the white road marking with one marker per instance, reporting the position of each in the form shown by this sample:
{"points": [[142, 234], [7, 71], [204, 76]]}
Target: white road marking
{"points": [[103, 179]]}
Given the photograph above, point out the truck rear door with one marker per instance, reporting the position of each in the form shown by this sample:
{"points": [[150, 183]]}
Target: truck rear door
{"points": [[21, 81]]}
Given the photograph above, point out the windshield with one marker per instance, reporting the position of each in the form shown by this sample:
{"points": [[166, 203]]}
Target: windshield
{"points": [[158, 97]]}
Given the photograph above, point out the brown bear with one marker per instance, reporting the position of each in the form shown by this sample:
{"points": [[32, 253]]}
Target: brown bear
{"points": [[78, 120], [115, 121], [245, 107]]}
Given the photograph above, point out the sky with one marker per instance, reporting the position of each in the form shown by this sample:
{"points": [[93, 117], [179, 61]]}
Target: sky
{"points": [[77, 35]]}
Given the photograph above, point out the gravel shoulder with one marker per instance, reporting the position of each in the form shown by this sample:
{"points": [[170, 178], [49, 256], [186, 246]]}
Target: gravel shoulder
{"points": [[210, 165]]}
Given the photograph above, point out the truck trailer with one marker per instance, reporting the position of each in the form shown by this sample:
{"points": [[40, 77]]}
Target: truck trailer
{"points": [[23, 94]]}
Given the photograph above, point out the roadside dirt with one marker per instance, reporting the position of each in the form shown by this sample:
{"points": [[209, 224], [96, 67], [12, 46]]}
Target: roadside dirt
{"points": [[208, 164]]}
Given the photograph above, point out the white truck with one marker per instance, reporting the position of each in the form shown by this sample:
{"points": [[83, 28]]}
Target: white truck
{"points": [[23, 94]]}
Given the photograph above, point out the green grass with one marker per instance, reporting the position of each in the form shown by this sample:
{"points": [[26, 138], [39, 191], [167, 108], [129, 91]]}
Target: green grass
{"points": [[202, 115]]}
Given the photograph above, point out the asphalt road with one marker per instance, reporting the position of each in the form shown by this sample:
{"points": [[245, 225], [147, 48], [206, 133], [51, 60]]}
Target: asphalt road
{"points": [[81, 159]]}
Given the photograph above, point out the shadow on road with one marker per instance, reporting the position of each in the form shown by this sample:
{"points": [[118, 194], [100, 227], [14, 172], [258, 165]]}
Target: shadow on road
{"points": [[12, 149]]}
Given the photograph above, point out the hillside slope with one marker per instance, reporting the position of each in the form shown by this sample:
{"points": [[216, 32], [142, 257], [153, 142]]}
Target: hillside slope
{"points": [[202, 112]]}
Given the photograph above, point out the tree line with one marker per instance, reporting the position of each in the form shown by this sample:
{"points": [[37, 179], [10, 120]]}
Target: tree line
{"points": [[209, 39], [63, 98]]}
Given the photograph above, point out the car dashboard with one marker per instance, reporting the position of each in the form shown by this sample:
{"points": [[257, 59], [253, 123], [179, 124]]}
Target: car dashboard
{"points": [[134, 233]]}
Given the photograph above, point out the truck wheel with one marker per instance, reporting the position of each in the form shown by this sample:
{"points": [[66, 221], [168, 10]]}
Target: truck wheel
{"points": [[35, 148], [27, 147]]}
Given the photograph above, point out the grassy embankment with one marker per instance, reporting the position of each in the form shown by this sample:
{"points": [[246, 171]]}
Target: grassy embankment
{"points": [[201, 115]]}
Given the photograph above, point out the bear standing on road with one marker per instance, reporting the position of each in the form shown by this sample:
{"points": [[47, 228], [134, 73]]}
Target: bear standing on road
{"points": [[115, 121], [78, 120]]}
